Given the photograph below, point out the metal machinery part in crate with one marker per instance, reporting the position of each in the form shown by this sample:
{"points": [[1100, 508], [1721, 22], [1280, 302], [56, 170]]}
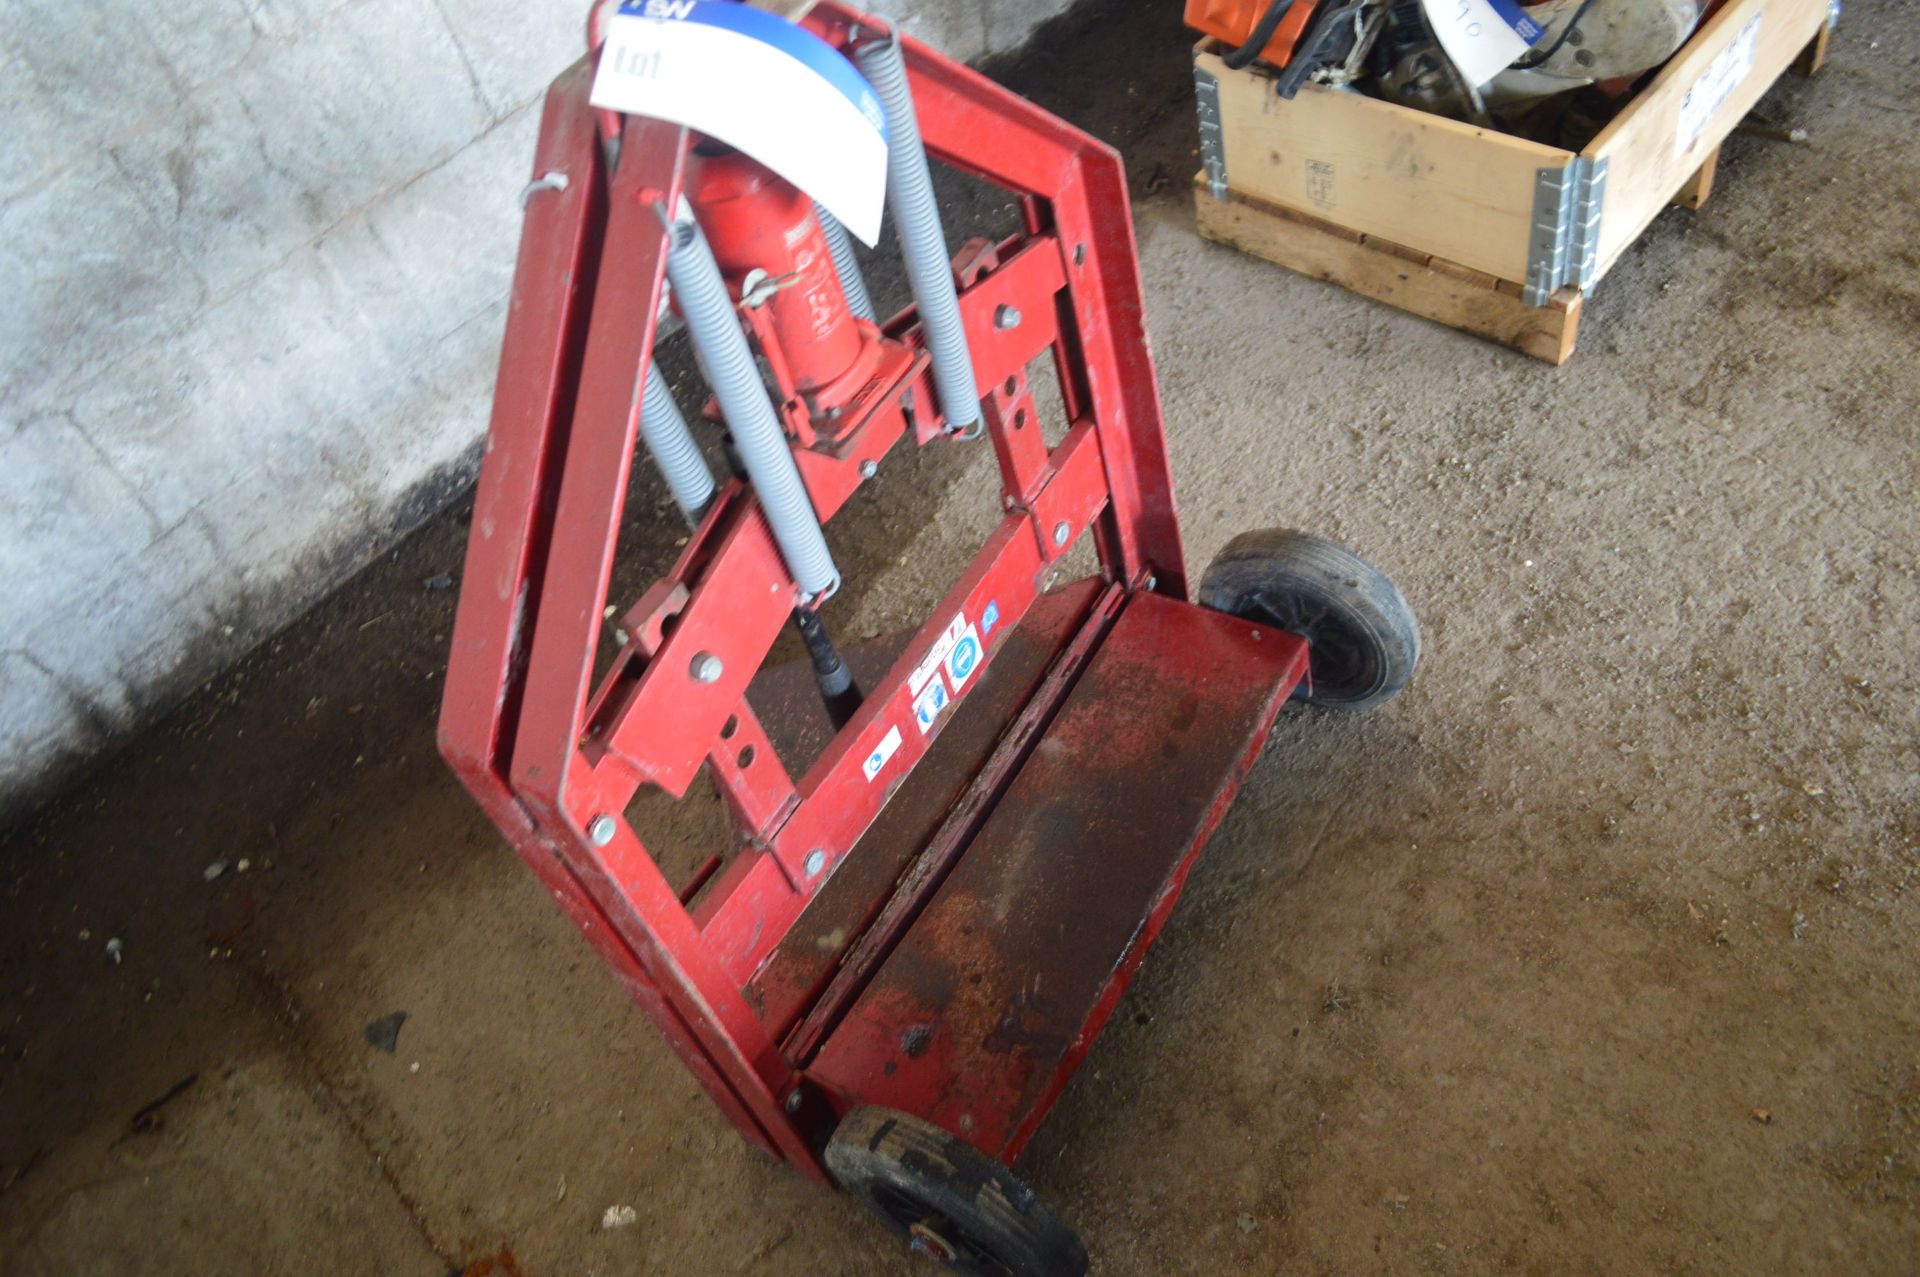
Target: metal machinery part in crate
{"points": [[917, 935], [1392, 46]]}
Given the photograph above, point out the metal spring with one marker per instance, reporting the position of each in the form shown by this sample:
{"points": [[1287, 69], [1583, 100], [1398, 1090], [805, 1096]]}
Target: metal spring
{"points": [[923, 242], [757, 436], [673, 448], [840, 244]]}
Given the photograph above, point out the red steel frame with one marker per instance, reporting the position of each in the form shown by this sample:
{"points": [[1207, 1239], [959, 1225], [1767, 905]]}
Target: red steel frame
{"points": [[551, 757]]}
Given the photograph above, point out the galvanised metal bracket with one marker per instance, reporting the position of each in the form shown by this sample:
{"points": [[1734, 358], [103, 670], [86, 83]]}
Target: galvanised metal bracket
{"points": [[1213, 141], [1565, 244]]}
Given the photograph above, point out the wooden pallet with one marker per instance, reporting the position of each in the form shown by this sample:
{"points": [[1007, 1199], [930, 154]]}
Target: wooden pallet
{"points": [[1460, 296], [1437, 217]]}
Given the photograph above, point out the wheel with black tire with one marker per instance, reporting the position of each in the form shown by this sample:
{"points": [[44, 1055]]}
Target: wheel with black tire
{"points": [[950, 1201], [1363, 638]]}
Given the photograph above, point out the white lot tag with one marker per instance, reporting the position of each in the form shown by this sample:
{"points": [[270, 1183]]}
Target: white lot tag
{"points": [[1481, 36], [759, 84], [1715, 85]]}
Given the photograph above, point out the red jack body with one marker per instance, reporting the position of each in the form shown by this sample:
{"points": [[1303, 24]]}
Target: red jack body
{"points": [[738, 966], [938, 906], [763, 230]]}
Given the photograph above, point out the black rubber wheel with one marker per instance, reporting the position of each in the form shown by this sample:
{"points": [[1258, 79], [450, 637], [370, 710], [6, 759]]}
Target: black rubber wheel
{"points": [[950, 1201], [1364, 638]]}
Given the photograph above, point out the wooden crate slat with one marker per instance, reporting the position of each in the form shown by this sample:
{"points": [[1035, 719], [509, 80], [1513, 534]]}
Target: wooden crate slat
{"points": [[1648, 157], [1460, 192], [1695, 190], [1432, 287]]}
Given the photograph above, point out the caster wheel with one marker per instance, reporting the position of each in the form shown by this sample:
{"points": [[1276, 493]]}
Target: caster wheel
{"points": [[951, 1202], [1363, 637]]}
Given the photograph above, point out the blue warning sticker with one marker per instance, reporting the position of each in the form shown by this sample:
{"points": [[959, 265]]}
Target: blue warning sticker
{"points": [[927, 705], [964, 659], [990, 618]]}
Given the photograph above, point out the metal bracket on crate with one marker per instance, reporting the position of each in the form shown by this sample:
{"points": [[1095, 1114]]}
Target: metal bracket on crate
{"points": [[1584, 256], [1565, 244], [1213, 141]]}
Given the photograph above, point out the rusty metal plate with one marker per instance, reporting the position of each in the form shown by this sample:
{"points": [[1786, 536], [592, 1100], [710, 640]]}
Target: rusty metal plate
{"points": [[991, 1000], [786, 698]]}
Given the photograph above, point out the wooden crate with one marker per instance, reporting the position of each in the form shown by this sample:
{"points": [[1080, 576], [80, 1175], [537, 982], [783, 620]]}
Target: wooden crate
{"points": [[1490, 233]]}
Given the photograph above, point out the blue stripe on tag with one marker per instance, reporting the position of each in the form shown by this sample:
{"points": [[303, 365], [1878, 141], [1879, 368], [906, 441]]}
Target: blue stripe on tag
{"points": [[802, 46], [1511, 14]]}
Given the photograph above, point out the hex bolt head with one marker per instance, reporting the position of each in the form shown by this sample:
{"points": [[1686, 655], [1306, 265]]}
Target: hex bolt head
{"points": [[601, 831], [868, 469], [1060, 532], [1005, 317], [706, 668], [816, 861]]}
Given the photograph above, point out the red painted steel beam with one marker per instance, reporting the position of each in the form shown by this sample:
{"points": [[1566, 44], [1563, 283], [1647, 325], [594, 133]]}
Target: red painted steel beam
{"points": [[599, 458], [532, 411], [507, 543], [613, 866]]}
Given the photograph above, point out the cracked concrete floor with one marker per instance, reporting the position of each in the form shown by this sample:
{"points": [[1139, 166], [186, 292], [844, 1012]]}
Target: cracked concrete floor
{"points": [[1594, 953]]}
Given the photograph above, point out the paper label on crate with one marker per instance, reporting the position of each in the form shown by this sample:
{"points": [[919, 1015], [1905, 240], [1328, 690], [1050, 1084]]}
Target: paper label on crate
{"points": [[1716, 84], [888, 746], [927, 706], [938, 655], [760, 84], [1483, 37], [964, 659]]}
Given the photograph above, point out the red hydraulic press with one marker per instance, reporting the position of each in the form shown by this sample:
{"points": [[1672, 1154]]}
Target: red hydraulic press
{"points": [[952, 848]]}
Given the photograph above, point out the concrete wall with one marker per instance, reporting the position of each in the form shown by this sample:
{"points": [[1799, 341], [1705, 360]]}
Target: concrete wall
{"points": [[253, 261]]}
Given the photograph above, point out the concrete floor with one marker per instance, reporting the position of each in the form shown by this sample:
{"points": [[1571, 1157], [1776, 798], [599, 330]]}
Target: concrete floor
{"points": [[1595, 952]]}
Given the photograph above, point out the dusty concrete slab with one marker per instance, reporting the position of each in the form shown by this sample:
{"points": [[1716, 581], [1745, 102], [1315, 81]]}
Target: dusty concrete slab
{"points": [[250, 1165], [1497, 980]]}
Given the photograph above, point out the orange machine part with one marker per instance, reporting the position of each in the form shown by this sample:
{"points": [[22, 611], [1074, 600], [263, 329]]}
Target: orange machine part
{"points": [[1234, 20]]}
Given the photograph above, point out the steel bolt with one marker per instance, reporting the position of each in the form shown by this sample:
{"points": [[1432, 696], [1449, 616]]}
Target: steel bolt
{"points": [[1005, 317], [601, 831], [1152, 581], [816, 861], [1061, 532], [706, 668], [868, 469], [794, 1100]]}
